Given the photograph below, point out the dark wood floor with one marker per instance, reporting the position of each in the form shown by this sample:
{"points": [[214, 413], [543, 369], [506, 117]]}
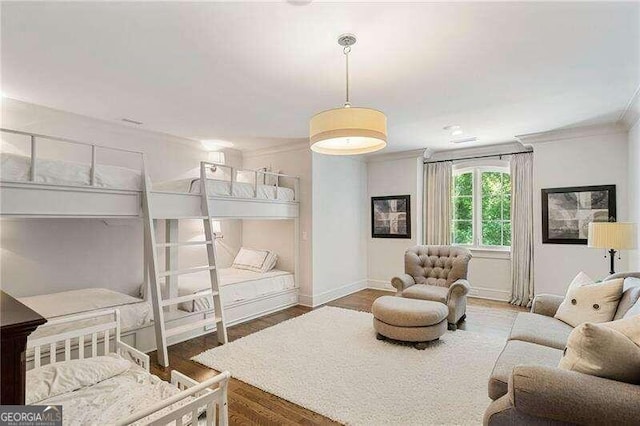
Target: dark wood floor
{"points": [[250, 405]]}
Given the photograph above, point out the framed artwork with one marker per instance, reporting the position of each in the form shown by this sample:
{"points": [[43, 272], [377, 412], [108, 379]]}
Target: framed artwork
{"points": [[391, 216], [567, 212]]}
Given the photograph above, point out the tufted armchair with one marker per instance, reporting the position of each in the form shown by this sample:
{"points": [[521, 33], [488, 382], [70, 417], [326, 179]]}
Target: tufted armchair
{"points": [[437, 273]]}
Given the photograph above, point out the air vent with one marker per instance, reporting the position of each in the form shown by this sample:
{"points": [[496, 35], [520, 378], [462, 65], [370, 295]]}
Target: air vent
{"points": [[466, 140], [128, 120]]}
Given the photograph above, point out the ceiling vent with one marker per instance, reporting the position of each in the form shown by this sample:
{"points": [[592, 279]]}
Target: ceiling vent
{"points": [[128, 120], [465, 140]]}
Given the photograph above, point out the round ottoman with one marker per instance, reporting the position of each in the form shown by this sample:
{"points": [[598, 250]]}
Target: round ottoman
{"points": [[409, 320]]}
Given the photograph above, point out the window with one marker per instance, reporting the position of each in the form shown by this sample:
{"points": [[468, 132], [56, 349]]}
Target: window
{"points": [[481, 204]]}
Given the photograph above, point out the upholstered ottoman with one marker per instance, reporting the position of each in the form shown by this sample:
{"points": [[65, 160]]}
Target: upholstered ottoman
{"points": [[409, 320]]}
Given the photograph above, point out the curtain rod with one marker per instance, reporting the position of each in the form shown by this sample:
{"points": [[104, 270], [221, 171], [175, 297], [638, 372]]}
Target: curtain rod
{"points": [[477, 156]]}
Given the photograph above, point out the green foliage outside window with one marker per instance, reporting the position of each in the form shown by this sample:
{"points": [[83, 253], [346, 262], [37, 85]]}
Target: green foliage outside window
{"points": [[495, 209]]}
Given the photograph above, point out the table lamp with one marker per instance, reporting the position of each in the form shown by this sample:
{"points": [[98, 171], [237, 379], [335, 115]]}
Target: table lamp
{"points": [[613, 236]]}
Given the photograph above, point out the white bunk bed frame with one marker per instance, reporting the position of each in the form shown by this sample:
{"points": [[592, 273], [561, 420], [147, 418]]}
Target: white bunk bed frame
{"points": [[33, 199], [209, 396]]}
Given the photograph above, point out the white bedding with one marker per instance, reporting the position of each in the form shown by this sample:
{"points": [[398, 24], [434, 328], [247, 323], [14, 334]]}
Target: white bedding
{"points": [[236, 285], [16, 168], [134, 312], [116, 397], [221, 188]]}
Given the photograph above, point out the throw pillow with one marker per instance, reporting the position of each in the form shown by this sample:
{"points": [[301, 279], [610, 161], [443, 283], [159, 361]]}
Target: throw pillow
{"points": [[610, 350], [587, 301]]}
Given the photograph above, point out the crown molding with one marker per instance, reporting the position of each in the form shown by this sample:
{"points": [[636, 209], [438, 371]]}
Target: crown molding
{"points": [[296, 146], [573, 133], [631, 113], [390, 156]]}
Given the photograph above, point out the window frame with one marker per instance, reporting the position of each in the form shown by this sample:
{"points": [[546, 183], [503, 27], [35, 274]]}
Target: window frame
{"points": [[476, 204]]}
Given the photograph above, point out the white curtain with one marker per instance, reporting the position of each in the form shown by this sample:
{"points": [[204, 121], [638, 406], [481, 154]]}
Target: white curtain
{"points": [[522, 229], [437, 184]]}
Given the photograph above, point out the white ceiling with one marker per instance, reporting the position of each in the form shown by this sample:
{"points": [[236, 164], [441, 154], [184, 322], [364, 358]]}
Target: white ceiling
{"points": [[255, 73]]}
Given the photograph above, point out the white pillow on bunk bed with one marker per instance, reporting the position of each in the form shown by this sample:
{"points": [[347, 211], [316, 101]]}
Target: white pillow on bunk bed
{"points": [[255, 260], [56, 379]]}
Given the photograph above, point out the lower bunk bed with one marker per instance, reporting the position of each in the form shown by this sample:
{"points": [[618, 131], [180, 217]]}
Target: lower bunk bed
{"points": [[98, 379]]}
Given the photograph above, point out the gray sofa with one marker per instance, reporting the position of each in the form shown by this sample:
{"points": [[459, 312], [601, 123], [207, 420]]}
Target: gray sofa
{"points": [[527, 387], [439, 274]]}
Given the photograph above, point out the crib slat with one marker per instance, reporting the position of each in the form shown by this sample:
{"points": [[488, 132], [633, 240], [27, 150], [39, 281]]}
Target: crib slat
{"points": [[36, 356], [179, 421], [194, 416], [52, 353], [106, 342], [81, 347], [67, 349], [211, 414], [94, 344]]}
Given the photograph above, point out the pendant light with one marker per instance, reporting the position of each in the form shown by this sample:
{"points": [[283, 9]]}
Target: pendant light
{"points": [[348, 130]]}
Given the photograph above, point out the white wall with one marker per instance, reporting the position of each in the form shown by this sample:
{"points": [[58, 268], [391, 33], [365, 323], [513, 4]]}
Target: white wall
{"points": [[278, 235], [400, 176], [581, 157], [634, 191], [340, 224], [43, 256]]}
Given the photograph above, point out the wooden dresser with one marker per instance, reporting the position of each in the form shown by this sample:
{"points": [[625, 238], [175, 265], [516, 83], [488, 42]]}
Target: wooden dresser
{"points": [[17, 322]]}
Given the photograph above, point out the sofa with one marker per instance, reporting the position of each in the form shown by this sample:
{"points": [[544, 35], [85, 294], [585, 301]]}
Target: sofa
{"points": [[438, 274], [527, 387]]}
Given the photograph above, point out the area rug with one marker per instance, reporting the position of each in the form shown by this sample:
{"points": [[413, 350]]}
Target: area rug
{"points": [[330, 362]]}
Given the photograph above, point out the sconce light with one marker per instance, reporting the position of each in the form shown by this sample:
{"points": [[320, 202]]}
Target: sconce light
{"points": [[217, 229]]}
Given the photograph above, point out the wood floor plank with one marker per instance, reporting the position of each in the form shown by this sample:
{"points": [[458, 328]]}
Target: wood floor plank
{"points": [[249, 405]]}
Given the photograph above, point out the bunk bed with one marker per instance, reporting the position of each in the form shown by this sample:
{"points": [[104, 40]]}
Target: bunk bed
{"points": [[33, 187], [98, 379]]}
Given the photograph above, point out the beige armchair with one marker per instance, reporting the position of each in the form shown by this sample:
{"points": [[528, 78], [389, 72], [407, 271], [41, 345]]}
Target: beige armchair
{"points": [[437, 273]]}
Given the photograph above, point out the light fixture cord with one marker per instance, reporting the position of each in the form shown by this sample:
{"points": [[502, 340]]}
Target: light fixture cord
{"points": [[347, 50]]}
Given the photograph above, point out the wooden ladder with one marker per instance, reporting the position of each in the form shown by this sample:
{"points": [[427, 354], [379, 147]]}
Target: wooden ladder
{"points": [[159, 303]]}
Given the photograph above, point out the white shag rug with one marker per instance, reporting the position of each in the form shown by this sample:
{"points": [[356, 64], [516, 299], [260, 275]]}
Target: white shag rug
{"points": [[330, 362]]}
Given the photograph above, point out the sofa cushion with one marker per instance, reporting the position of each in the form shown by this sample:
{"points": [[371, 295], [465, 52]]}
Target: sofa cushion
{"points": [[610, 350], [519, 353], [427, 292], [629, 299], [589, 302], [540, 329]]}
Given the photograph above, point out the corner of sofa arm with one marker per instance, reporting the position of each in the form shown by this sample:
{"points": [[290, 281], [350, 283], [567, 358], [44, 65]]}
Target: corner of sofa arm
{"points": [[567, 396], [459, 288], [402, 282], [546, 304]]}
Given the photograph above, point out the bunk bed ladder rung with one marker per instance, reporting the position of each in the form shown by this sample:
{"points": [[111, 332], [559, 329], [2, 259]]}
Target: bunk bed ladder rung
{"points": [[191, 326], [183, 243], [186, 271], [187, 298]]}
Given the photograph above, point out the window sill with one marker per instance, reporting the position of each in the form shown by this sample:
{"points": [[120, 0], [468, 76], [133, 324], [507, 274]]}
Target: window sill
{"points": [[489, 253]]}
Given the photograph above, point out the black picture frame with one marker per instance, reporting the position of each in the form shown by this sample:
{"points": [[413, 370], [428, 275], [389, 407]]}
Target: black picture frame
{"points": [[566, 212], [391, 216]]}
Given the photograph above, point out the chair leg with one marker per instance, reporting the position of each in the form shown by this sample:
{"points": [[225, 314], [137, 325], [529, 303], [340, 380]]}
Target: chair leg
{"points": [[421, 345], [452, 327], [463, 318]]}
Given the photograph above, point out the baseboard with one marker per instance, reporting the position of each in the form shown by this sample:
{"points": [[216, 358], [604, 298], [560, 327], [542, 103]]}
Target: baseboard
{"points": [[328, 296], [380, 285], [490, 294]]}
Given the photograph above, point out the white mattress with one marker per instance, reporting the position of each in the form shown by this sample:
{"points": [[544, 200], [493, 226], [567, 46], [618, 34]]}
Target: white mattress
{"points": [[218, 187], [236, 285], [134, 312], [114, 398], [16, 168]]}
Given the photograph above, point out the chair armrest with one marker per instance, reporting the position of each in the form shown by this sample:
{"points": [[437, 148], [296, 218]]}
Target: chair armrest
{"points": [[402, 282], [458, 289], [546, 304], [568, 396]]}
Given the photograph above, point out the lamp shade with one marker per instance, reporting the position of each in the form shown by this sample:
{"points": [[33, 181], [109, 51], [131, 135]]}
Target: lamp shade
{"points": [[612, 235], [217, 157], [348, 131]]}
